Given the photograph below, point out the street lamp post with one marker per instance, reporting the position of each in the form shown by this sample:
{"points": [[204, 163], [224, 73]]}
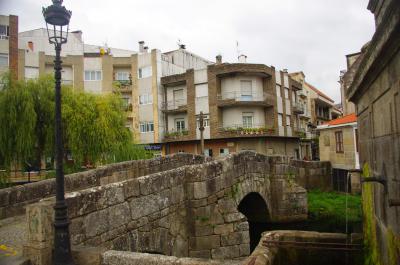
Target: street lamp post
{"points": [[201, 128], [57, 17]]}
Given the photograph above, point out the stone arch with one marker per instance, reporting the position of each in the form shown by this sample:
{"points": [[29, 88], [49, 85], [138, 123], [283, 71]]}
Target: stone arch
{"points": [[255, 208]]}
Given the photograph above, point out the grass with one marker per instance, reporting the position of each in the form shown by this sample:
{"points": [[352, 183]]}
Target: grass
{"points": [[331, 207]]}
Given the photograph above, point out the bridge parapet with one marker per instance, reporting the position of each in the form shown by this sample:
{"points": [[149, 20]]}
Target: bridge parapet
{"points": [[14, 199], [190, 211]]}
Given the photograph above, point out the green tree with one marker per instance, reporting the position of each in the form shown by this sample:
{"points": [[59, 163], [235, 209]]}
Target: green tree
{"points": [[93, 125], [18, 121]]}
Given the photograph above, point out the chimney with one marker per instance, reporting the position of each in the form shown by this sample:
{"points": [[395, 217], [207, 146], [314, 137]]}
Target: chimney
{"points": [[77, 34], [218, 59], [141, 46], [30, 46], [145, 49], [242, 58], [182, 46]]}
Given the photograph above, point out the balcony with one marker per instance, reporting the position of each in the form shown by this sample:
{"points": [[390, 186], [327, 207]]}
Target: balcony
{"points": [[174, 106], [323, 116], [302, 93], [305, 115], [237, 99], [298, 108], [300, 132], [176, 135], [122, 86], [238, 130], [66, 82]]}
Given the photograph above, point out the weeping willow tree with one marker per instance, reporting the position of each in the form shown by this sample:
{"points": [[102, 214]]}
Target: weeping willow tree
{"points": [[18, 121], [93, 125]]}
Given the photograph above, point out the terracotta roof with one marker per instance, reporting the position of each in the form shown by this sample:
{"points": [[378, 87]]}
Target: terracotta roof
{"points": [[343, 120], [319, 92]]}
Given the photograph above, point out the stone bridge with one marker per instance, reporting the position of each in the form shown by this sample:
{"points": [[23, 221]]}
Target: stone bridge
{"points": [[201, 209]]}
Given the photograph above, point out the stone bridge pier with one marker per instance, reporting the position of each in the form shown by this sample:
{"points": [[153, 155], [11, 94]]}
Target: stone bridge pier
{"points": [[197, 210]]}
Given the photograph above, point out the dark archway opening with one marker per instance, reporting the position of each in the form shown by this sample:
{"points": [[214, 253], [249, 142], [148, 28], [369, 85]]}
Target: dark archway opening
{"points": [[254, 207]]}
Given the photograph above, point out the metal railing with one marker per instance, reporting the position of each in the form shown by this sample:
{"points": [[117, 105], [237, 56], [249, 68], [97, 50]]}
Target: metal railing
{"points": [[174, 104], [67, 82], [239, 96], [298, 106], [252, 129], [174, 133]]}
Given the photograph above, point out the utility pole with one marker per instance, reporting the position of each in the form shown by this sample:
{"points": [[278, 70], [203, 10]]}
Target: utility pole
{"points": [[201, 128]]}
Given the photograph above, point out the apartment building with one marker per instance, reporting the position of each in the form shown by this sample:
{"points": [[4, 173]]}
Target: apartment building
{"points": [[9, 44], [246, 107], [134, 75], [318, 109], [346, 77]]}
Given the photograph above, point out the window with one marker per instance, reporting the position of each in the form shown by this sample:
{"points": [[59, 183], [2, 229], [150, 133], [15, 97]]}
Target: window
{"points": [[146, 99], [92, 75], [224, 151], [246, 90], [178, 97], [287, 120], [206, 121], [278, 91], [208, 152], [122, 76], [247, 118], [339, 142], [3, 60], [280, 120], [294, 97], [126, 101], [4, 32], [286, 92], [146, 127], [180, 124], [144, 72]]}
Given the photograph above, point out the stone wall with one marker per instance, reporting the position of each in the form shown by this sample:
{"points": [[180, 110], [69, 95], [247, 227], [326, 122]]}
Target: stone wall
{"points": [[266, 255], [188, 211], [313, 174], [113, 257], [14, 199]]}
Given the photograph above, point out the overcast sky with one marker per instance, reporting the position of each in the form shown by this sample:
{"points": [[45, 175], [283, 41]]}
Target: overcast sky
{"points": [[312, 36]]}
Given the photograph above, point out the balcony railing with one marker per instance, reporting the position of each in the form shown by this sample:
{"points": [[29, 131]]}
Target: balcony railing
{"points": [[122, 86], [302, 93], [175, 105], [300, 132], [249, 130], [235, 97], [67, 82], [173, 135], [298, 108]]}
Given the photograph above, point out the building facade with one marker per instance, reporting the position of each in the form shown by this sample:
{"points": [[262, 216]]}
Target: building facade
{"points": [[338, 143], [135, 76], [246, 107], [318, 109], [9, 44], [375, 91]]}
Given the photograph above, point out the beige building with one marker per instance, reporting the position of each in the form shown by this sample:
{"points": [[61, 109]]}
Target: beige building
{"points": [[101, 69], [246, 107], [9, 44], [338, 142], [318, 109], [346, 76]]}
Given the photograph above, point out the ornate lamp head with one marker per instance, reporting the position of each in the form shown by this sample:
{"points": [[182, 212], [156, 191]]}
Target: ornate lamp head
{"points": [[57, 17]]}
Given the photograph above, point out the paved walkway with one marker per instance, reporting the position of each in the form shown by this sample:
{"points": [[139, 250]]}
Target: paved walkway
{"points": [[12, 238]]}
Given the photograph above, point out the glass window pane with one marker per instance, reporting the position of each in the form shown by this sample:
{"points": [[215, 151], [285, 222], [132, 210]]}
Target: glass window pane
{"points": [[98, 75], [87, 75], [92, 75], [3, 60]]}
